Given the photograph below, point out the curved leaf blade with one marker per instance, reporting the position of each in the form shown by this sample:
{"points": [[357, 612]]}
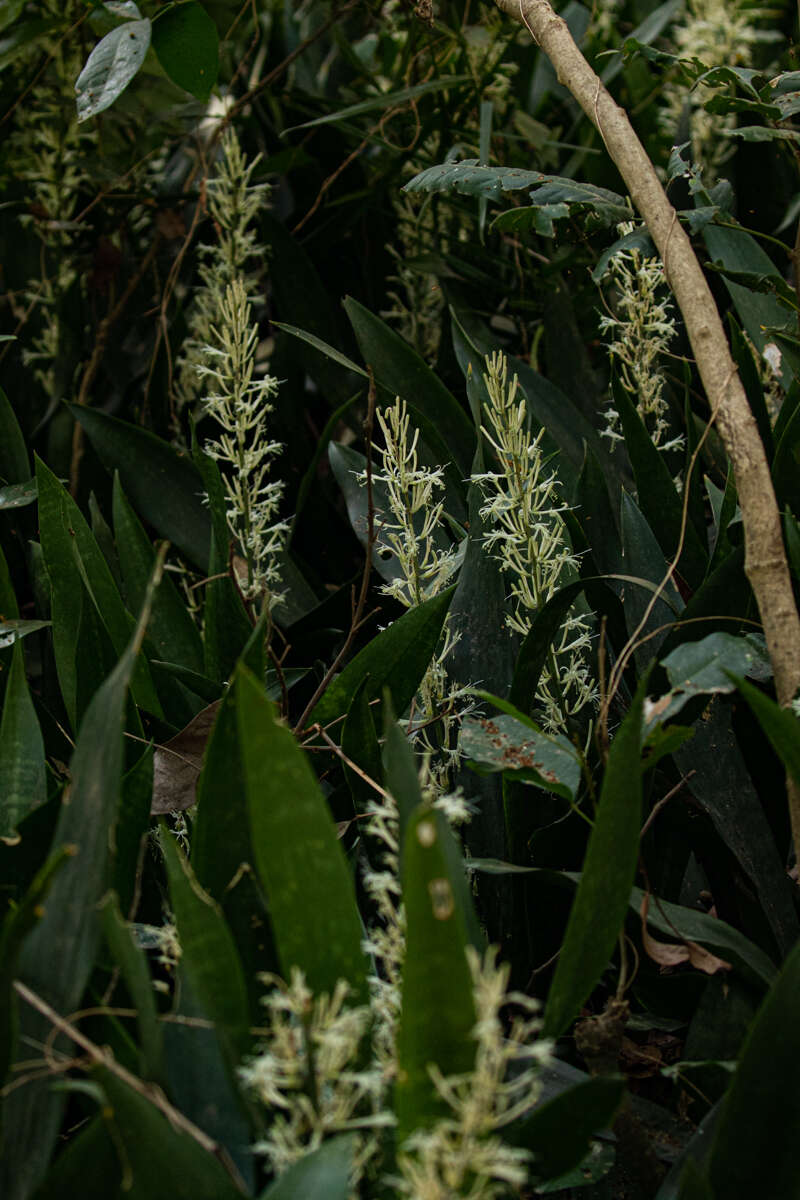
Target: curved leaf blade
{"points": [[599, 908], [310, 891], [110, 67], [187, 46]]}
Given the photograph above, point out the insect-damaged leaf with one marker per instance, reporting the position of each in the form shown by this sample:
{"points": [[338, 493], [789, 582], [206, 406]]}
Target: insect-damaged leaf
{"points": [[110, 67], [504, 743], [438, 1009]]}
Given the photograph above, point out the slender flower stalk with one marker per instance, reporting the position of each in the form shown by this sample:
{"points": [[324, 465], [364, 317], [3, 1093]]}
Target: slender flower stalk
{"points": [[218, 367], [307, 1071], [241, 405], [641, 330], [411, 526], [233, 203], [525, 510]]}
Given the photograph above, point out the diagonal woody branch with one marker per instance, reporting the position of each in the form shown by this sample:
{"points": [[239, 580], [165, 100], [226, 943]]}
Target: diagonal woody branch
{"points": [[765, 557]]}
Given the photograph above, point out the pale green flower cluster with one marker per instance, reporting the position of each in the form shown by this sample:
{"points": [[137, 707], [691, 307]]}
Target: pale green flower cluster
{"points": [[241, 405], [233, 202], [641, 327], [315, 1076], [524, 508], [48, 150], [415, 507], [720, 33], [307, 1072], [412, 528], [464, 1154], [218, 367]]}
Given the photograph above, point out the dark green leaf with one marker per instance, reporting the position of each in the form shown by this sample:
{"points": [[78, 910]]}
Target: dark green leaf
{"points": [[17, 925], [15, 464], [171, 627], [22, 771], [659, 502], [18, 495], [311, 898], [504, 743], [609, 867], [438, 1008], [560, 1132], [162, 484], [58, 956], [160, 1156], [360, 744], [401, 371], [133, 965], [756, 1149], [187, 46], [722, 787], [89, 1167], [396, 658], [780, 725], [324, 1174], [208, 955], [74, 562], [223, 857], [644, 558]]}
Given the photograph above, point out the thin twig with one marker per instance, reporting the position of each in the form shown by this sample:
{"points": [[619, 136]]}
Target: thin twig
{"points": [[148, 1091]]}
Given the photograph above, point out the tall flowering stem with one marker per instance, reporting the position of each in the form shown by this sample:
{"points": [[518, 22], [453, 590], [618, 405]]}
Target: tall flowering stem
{"points": [[641, 331], [241, 405], [525, 509], [411, 526], [233, 202]]}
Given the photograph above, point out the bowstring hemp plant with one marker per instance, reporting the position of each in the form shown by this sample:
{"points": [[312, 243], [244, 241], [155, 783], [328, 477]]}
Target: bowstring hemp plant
{"points": [[314, 1073], [411, 526], [523, 505], [641, 328], [219, 368]]}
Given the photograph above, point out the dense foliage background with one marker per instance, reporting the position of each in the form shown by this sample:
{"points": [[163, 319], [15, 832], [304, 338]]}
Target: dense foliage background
{"points": [[372, 593]]}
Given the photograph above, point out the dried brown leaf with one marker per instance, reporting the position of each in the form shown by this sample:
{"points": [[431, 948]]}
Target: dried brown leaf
{"points": [[666, 954], [176, 764]]}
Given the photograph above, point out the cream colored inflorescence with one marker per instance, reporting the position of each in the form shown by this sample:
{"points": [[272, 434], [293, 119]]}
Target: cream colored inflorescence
{"points": [[524, 509], [464, 1154], [410, 524], [218, 368], [641, 328]]}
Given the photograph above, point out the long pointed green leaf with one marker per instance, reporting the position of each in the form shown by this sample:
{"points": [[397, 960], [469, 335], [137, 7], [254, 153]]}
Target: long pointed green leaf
{"points": [[399, 369], [208, 955], [323, 1174], [310, 891], [756, 1149], [599, 908], [171, 629], [57, 958], [161, 1159], [23, 785], [397, 658], [133, 965], [163, 486], [438, 1007]]}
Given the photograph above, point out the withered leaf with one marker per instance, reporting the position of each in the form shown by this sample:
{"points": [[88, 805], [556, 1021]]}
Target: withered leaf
{"points": [[176, 764], [666, 954]]}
